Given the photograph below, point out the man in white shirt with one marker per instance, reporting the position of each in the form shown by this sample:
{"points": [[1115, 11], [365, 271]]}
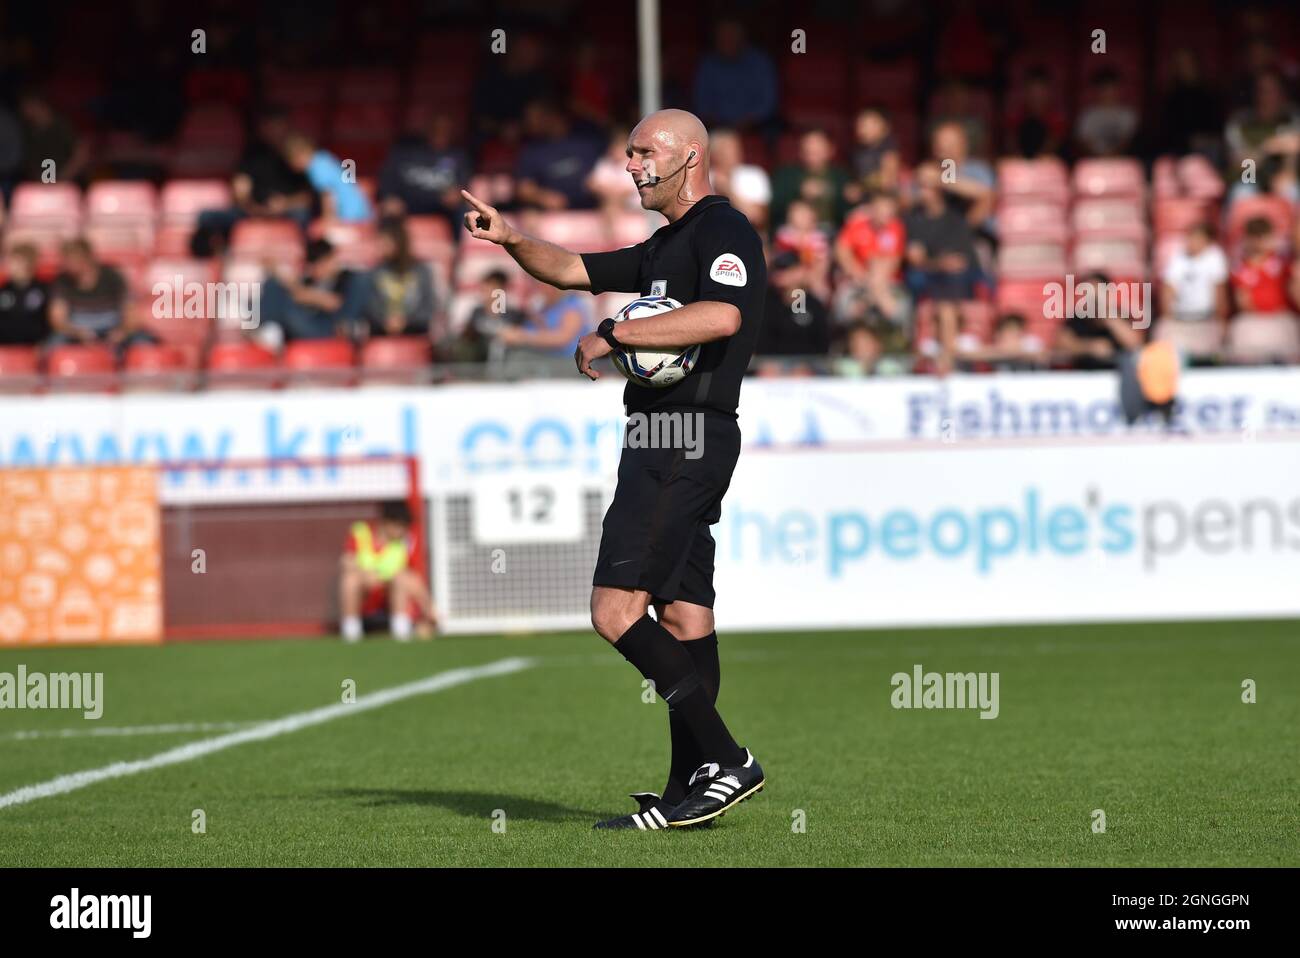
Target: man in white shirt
{"points": [[1195, 294]]}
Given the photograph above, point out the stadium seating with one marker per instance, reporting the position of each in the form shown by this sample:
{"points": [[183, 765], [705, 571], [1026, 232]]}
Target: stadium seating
{"points": [[239, 364], [396, 359], [79, 368], [279, 241], [319, 362], [20, 370], [181, 202], [159, 367]]}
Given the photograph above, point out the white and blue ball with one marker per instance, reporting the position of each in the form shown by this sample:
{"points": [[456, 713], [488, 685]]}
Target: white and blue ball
{"points": [[654, 367]]}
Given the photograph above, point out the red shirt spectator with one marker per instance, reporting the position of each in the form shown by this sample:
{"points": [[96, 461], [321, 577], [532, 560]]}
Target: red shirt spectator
{"points": [[868, 241], [1264, 282]]}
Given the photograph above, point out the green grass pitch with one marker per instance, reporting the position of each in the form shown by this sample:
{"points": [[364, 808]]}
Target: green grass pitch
{"points": [[1145, 722]]}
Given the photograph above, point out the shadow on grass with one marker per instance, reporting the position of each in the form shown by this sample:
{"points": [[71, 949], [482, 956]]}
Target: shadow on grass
{"points": [[470, 804]]}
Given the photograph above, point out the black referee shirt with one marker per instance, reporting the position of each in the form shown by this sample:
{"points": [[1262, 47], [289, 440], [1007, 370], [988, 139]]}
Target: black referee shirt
{"points": [[711, 254]]}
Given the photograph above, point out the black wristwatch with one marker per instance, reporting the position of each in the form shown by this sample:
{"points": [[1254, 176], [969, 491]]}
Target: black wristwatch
{"points": [[606, 332]]}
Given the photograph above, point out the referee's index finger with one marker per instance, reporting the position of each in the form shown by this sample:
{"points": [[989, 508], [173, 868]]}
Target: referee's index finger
{"points": [[474, 201]]}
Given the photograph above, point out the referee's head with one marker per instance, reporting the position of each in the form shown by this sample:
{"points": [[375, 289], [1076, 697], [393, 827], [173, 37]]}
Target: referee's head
{"points": [[668, 158]]}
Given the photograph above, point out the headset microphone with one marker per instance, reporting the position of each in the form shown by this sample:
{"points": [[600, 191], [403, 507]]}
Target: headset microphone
{"points": [[656, 180]]}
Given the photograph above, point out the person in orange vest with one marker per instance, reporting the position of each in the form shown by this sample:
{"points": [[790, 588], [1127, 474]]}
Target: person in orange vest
{"points": [[376, 574]]}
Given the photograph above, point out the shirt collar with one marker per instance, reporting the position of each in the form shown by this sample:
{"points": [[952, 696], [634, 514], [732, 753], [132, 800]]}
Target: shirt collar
{"points": [[703, 203]]}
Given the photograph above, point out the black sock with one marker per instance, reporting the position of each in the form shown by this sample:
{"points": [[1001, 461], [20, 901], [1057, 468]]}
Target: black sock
{"points": [[686, 757], [659, 657]]}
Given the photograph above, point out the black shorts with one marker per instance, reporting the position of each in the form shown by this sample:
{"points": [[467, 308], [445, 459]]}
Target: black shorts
{"points": [[655, 535]]}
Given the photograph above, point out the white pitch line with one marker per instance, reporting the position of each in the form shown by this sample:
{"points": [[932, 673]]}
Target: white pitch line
{"points": [[266, 730], [94, 731]]}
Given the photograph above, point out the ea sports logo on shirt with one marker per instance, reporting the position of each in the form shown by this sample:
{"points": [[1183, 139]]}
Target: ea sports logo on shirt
{"points": [[728, 270]]}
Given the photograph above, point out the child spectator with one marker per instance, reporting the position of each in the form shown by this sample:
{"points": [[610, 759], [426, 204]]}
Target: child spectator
{"points": [[24, 300], [341, 198]]}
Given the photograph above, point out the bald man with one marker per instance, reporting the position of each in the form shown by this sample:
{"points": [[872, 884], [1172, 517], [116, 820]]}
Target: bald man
{"points": [[655, 547]]}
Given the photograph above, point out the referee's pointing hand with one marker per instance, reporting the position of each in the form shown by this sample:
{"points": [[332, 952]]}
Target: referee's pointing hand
{"points": [[483, 221]]}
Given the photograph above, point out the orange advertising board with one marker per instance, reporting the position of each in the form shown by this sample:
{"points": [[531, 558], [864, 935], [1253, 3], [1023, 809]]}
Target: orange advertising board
{"points": [[80, 556]]}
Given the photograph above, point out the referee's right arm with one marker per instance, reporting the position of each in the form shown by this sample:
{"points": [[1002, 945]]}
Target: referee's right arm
{"points": [[545, 261]]}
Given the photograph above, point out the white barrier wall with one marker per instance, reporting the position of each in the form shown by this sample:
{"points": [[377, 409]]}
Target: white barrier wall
{"points": [[856, 503], [460, 432], [977, 533]]}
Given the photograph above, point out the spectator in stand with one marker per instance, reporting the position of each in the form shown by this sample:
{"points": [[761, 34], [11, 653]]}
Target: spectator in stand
{"points": [[1268, 134], [422, 175], [553, 330], [265, 185], [1195, 295], [1106, 127], [875, 155], [1191, 112], [1038, 126], [967, 182], [88, 302], [735, 84], [814, 179], [609, 180], [477, 341], [1013, 348], [955, 106], [869, 252], [322, 304], [1096, 341], [24, 300], [398, 298], [1260, 282], [509, 82], [746, 185], [553, 166], [52, 151], [801, 236], [1265, 330], [941, 257], [796, 321], [340, 197]]}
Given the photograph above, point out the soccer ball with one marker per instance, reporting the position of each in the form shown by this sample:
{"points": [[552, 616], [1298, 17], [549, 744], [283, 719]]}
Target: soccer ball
{"points": [[652, 367]]}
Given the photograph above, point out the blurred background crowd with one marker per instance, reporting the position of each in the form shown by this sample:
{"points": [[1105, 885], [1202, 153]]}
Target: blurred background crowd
{"points": [[923, 174]]}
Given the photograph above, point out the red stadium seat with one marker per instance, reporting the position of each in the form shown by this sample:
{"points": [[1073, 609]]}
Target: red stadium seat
{"points": [[429, 236], [1109, 177], [116, 201], [46, 207], [581, 231], [1044, 179], [320, 362], [1119, 258], [163, 366], [1031, 261], [81, 368], [239, 364], [355, 243], [1106, 218], [1178, 214], [183, 200], [20, 370], [278, 240], [396, 359], [209, 143], [1028, 220]]}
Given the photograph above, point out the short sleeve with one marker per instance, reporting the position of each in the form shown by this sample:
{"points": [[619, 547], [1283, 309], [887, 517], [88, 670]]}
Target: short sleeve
{"points": [[618, 271], [730, 260]]}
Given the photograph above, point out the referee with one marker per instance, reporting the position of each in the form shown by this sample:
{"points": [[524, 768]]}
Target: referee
{"points": [[655, 546]]}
